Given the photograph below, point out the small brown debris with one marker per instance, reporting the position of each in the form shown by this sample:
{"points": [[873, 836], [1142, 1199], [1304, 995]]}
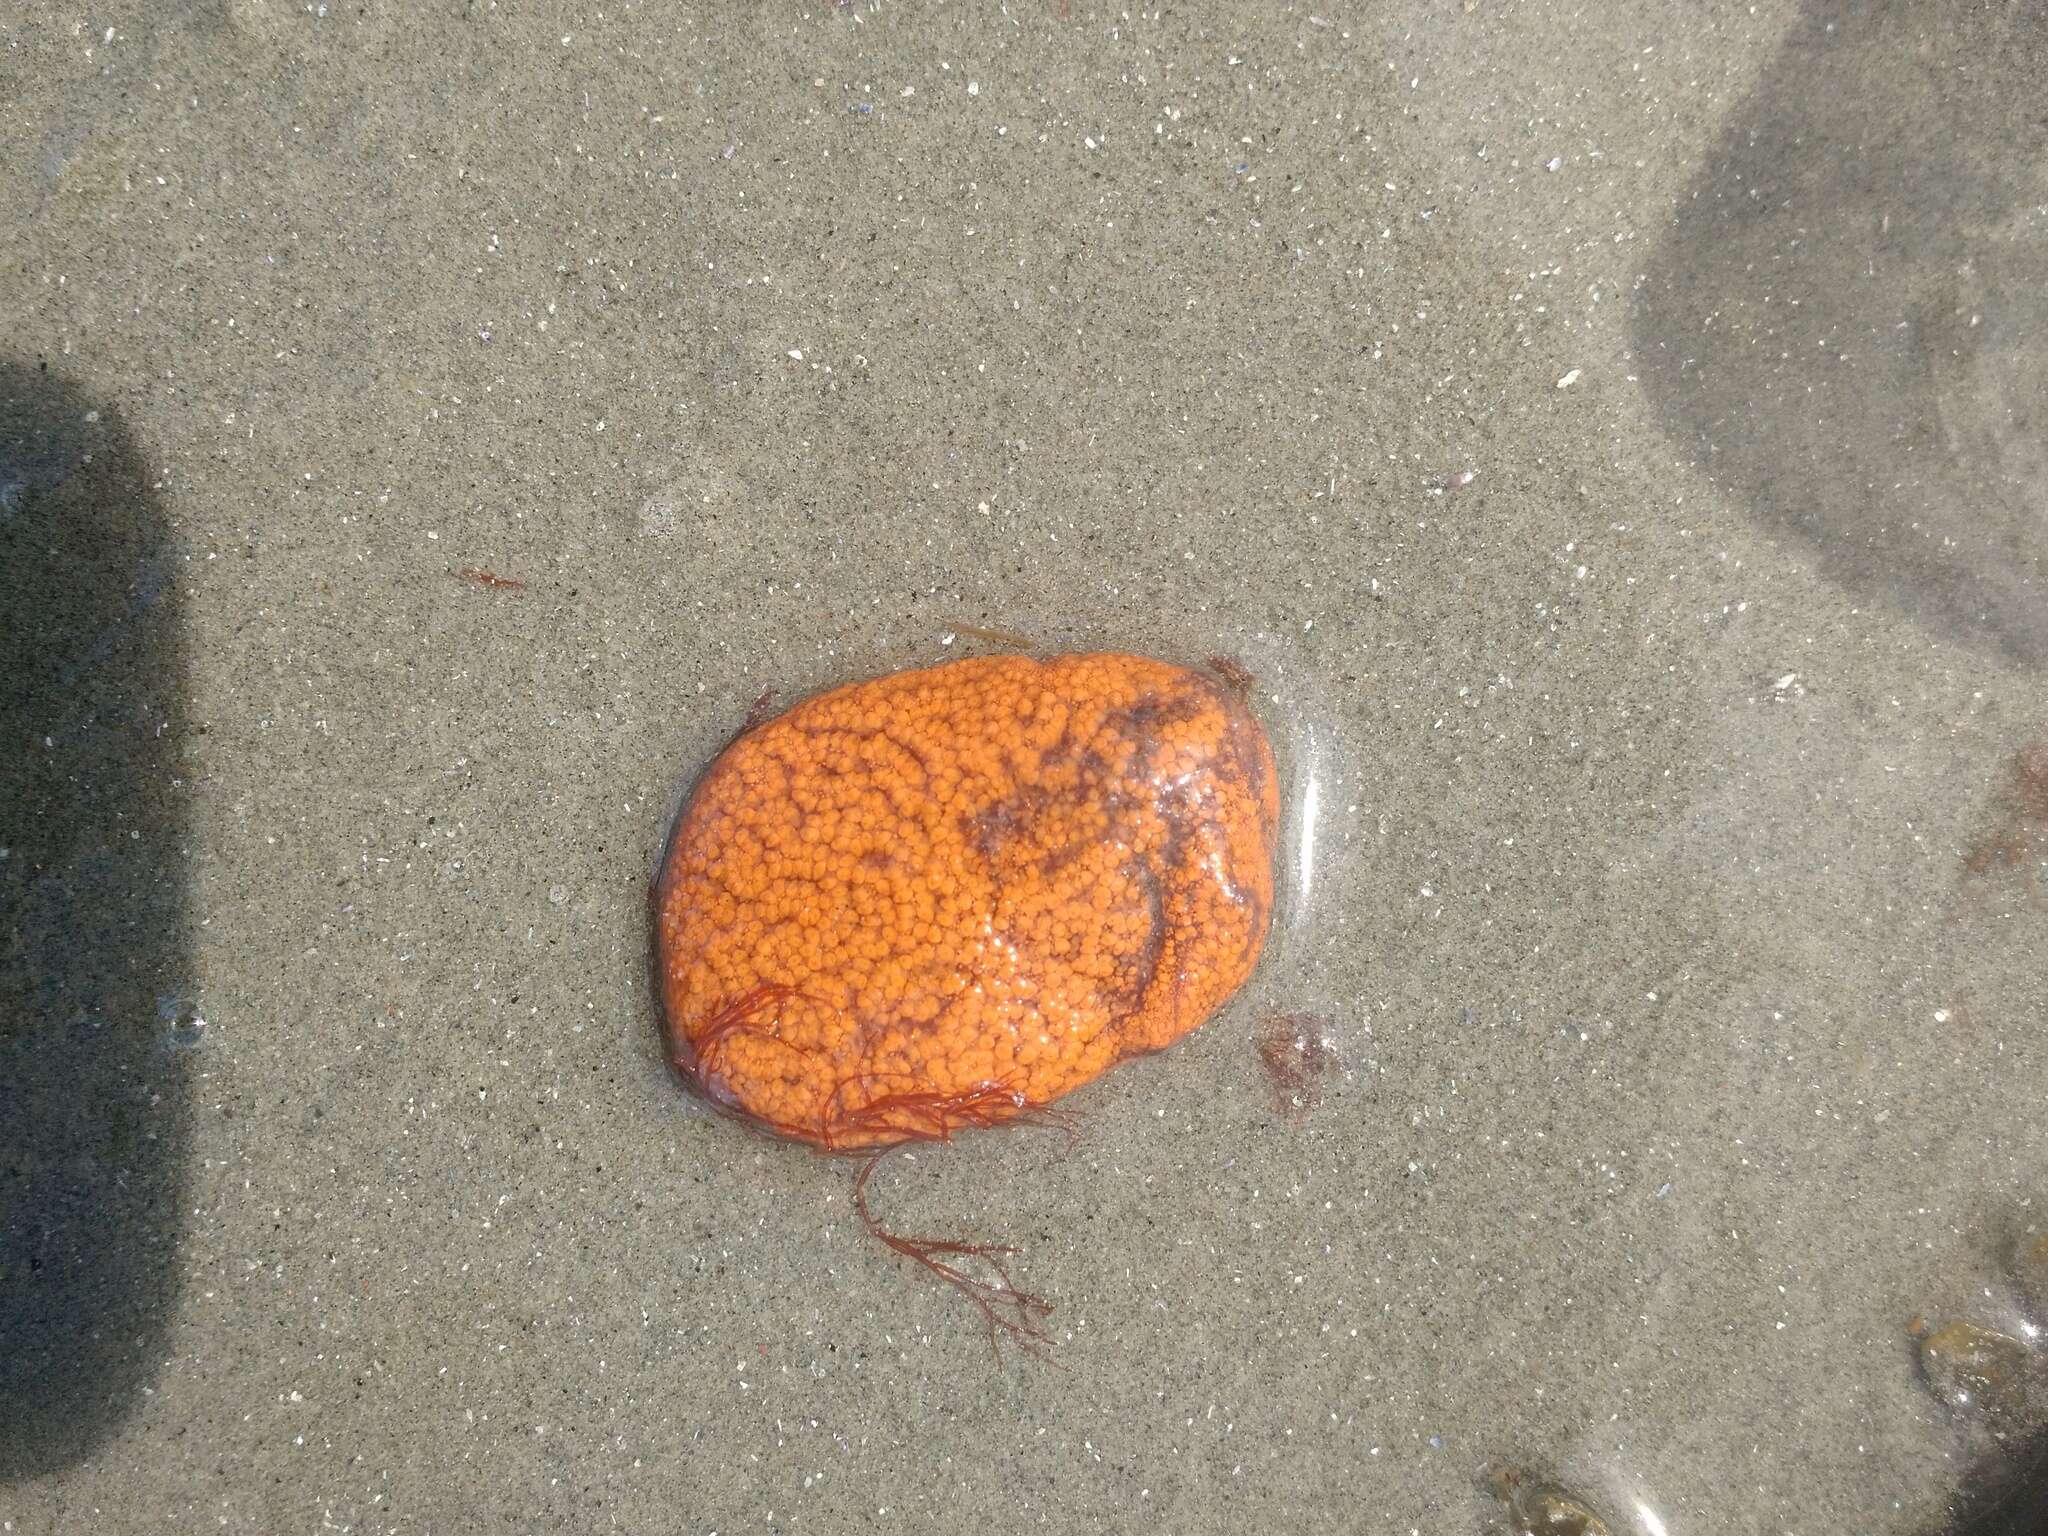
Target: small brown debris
{"points": [[1296, 1050], [490, 580], [2018, 834]]}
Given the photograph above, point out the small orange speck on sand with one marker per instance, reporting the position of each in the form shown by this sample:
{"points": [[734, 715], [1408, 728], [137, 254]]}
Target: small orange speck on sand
{"points": [[945, 898]]}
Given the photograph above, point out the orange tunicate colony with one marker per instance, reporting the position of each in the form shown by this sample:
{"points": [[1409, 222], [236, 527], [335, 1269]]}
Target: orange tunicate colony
{"points": [[945, 898]]}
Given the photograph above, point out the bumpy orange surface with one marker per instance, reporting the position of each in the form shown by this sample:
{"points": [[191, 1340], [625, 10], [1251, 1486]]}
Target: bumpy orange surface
{"points": [[947, 897]]}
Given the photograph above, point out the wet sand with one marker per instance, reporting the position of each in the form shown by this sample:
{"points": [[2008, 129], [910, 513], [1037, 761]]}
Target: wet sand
{"points": [[1609, 436]]}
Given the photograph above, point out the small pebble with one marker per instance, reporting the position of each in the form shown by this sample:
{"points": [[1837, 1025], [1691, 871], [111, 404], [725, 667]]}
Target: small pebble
{"points": [[1544, 1508], [1975, 1369]]}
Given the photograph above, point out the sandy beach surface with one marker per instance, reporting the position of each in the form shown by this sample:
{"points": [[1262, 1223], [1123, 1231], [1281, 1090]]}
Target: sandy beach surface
{"points": [[1612, 436]]}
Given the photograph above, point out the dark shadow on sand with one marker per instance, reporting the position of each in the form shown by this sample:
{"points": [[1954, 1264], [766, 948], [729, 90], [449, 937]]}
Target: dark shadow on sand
{"points": [[97, 1025], [1847, 325]]}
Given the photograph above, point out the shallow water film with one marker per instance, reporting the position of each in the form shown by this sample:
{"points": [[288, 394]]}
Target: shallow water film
{"points": [[1590, 1069]]}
